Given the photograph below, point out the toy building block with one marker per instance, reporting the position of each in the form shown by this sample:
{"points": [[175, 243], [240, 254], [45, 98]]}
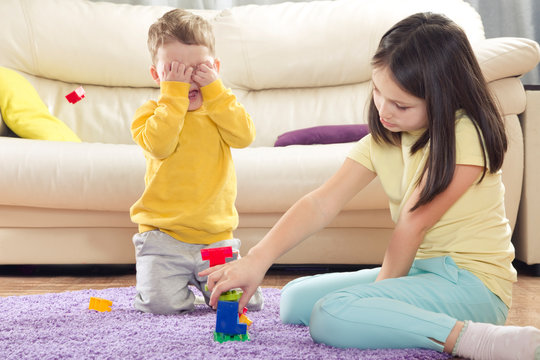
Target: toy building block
{"points": [[76, 95], [231, 295], [244, 319], [100, 304], [227, 321], [221, 338], [230, 326], [217, 256]]}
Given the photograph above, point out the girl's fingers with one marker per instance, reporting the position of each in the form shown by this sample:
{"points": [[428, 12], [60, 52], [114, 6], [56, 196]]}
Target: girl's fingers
{"points": [[243, 301], [211, 272], [219, 288]]}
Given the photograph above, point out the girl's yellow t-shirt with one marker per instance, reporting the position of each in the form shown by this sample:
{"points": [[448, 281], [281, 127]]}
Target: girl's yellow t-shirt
{"points": [[474, 232]]}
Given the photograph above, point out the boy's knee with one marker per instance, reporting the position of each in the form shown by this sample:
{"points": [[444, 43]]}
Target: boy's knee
{"points": [[256, 302], [159, 303]]}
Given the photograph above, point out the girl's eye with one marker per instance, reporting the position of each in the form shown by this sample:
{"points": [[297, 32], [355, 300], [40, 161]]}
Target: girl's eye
{"points": [[401, 107]]}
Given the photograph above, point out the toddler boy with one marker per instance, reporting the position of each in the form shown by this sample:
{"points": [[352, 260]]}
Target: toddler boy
{"points": [[190, 180]]}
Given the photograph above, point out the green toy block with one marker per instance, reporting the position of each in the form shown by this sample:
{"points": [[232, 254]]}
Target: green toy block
{"points": [[231, 295], [221, 337]]}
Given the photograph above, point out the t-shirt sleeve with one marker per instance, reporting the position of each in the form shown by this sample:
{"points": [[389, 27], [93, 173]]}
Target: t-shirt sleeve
{"points": [[469, 147], [361, 152]]}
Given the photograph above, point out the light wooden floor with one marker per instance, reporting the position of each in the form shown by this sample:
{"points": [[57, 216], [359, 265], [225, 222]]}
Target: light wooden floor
{"points": [[31, 280]]}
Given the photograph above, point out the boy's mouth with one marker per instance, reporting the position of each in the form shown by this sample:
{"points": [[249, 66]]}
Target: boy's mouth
{"points": [[193, 94]]}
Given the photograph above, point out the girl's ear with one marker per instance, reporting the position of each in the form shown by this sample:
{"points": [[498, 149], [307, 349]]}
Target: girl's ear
{"points": [[154, 74], [217, 64]]}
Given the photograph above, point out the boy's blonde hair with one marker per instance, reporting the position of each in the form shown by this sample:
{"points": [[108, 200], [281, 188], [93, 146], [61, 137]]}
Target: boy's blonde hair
{"points": [[183, 26]]}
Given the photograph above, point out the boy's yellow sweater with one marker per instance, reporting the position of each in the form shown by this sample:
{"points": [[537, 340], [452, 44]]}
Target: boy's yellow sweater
{"points": [[190, 181]]}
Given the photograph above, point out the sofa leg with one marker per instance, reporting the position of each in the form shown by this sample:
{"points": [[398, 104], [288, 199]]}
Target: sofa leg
{"points": [[534, 269], [527, 269]]}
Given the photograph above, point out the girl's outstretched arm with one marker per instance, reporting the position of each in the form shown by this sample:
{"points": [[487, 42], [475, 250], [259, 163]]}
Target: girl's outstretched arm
{"points": [[412, 226], [308, 215]]}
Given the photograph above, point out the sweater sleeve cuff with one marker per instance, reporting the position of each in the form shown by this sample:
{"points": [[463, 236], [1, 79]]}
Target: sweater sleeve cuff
{"points": [[174, 88], [213, 90]]}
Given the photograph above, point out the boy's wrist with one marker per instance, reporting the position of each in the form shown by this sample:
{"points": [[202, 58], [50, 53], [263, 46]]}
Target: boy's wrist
{"points": [[174, 88], [213, 90]]}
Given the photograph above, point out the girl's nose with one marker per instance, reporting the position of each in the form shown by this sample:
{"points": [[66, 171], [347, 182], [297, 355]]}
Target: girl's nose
{"points": [[384, 110]]}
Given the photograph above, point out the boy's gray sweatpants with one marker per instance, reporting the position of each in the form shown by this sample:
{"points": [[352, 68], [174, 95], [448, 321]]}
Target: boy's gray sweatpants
{"points": [[165, 268]]}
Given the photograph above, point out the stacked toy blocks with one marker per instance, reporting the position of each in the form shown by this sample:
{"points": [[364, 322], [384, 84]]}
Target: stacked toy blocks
{"points": [[230, 326]]}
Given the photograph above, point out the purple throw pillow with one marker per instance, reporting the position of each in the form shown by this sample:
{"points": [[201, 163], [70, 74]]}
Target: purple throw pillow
{"points": [[326, 134]]}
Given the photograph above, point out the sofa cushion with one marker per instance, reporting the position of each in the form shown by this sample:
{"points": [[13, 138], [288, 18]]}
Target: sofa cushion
{"points": [[110, 177], [303, 41], [290, 172], [68, 175], [24, 112], [329, 134]]}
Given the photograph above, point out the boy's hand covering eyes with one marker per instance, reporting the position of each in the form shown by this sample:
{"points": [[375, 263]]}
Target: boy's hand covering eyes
{"points": [[205, 73], [175, 71]]}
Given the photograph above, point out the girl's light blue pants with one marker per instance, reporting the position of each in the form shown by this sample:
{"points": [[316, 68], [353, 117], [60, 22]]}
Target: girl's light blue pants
{"points": [[352, 310]]}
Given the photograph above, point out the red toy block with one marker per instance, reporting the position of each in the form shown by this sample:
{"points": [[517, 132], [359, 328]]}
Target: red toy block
{"points": [[217, 256], [76, 95]]}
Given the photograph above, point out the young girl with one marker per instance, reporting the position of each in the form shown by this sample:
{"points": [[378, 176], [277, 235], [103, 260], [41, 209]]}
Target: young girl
{"points": [[437, 144]]}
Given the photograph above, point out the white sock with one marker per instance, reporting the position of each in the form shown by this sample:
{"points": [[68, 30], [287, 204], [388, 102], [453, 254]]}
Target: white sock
{"points": [[199, 300], [478, 341]]}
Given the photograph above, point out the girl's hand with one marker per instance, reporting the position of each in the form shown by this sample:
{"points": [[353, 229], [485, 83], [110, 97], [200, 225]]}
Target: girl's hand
{"points": [[246, 273], [206, 73], [175, 71]]}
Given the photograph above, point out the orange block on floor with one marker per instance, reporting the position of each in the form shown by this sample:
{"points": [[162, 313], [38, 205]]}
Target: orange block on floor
{"points": [[100, 304]]}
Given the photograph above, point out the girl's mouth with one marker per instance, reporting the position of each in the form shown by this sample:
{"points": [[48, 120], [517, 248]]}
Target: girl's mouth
{"points": [[386, 123]]}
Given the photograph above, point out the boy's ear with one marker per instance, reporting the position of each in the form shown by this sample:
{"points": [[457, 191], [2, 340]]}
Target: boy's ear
{"points": [[217, 64], [154, 74]]}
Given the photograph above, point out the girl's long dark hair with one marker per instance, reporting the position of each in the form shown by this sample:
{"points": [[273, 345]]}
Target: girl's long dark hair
{"points": [[432, 59]]}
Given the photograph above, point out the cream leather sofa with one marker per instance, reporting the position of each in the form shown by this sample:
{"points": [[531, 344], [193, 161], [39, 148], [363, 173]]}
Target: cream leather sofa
{"points": [[293, 65]]}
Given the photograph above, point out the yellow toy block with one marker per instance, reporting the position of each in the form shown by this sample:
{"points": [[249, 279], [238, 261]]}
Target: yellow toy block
{"points": [[244, 319], [100, 304]]}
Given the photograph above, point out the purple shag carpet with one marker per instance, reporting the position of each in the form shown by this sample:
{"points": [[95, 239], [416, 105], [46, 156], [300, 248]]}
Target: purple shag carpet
{"points": [[60, 326]]}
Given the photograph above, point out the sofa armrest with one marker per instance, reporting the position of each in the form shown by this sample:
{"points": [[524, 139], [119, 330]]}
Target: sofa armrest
{"points": [[527, 235], [506, 57]]}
